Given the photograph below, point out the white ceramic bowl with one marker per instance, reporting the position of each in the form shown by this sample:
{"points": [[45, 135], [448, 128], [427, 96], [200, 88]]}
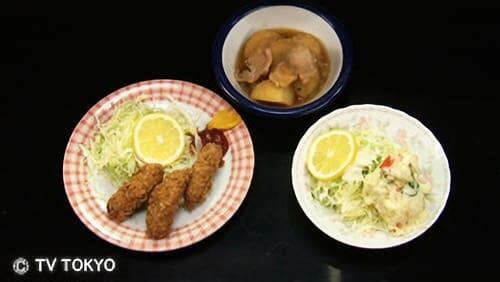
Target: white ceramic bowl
{"points": [[402, 129], [295, 16]]}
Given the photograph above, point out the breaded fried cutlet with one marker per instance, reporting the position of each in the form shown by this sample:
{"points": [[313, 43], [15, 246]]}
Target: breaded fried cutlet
{"points": [[204, 169], [164, 202], [130, 196]]}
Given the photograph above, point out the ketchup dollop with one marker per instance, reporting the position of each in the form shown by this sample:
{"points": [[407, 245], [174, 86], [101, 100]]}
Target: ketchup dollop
{"points": [[214, 136]]}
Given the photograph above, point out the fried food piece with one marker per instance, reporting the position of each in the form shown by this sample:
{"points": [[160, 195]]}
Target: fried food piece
{"points": [[134, 193], [209, 160], [164, 202]]}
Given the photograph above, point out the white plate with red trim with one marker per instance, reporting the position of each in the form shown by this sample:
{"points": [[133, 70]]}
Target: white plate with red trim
{"points": [[88, 191]]}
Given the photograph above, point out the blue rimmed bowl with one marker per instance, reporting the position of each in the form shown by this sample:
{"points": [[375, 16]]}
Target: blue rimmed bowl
{"points": [[306, 18]]}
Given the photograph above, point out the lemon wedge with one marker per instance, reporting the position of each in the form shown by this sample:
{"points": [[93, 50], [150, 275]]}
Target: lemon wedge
{"points": [[225, 120], [158, 138], [330, 153]]}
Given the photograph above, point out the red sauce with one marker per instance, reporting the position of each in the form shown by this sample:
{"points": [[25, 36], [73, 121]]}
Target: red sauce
{"points": [[214, 136]]}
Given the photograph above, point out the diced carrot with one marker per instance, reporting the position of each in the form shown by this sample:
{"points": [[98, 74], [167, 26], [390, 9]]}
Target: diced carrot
{"points": [[387, 162]]}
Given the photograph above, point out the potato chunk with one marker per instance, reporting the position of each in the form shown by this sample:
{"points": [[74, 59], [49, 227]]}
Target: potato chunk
{"points": [[267, 91], [310, 42], [280, 49], [259, 42]]}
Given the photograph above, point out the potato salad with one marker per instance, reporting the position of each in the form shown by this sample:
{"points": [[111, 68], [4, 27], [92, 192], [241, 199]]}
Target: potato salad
{"points": [[379, 188]]}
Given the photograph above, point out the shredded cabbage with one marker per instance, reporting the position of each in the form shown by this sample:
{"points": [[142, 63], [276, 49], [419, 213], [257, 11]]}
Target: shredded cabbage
{"points": [[346, 199], [345, 196], [112, 150], [377, 144]]}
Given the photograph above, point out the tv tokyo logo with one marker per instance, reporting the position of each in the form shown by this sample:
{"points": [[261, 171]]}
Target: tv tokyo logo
{"points": [[21, 265]]}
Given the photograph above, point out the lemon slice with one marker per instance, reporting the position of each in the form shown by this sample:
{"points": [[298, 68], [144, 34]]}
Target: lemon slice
{"points": [[330, 153], [158, 138]]}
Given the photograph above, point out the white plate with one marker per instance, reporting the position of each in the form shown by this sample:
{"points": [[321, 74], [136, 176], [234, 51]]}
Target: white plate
{"points": [[402, 129]]}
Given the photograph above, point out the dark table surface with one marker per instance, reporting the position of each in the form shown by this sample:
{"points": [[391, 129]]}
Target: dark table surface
{"points": [[436, 64]]}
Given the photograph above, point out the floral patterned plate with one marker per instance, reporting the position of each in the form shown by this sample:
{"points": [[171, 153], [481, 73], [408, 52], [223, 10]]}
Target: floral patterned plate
{"points": [[403, 130]]}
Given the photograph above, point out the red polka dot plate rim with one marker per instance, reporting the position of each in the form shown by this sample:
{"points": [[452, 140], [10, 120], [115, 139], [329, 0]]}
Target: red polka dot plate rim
{"points": [[230, 185]]}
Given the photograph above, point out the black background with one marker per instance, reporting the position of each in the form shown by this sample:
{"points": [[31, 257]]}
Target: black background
{"points": [[435, 61]]}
